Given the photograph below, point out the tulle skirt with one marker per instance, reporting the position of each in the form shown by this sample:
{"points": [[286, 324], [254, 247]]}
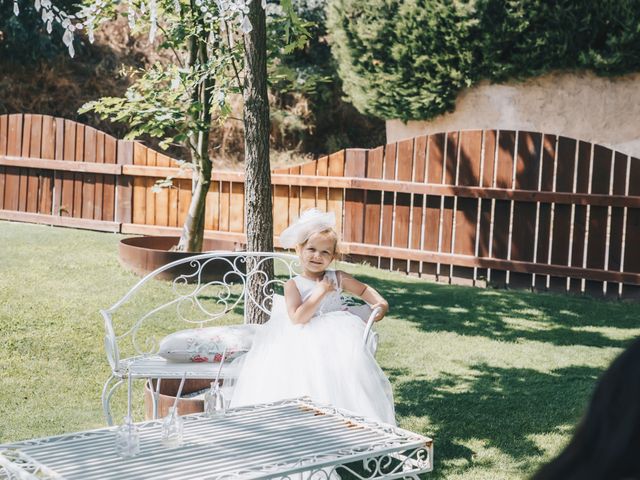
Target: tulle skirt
{"points": [[323, 359]]}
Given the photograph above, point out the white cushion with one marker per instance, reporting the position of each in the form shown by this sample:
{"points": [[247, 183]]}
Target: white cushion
{"points": [[208, 344]]}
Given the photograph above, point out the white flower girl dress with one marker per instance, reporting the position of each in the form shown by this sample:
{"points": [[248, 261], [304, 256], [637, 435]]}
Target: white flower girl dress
{"points": [[323, 359]]}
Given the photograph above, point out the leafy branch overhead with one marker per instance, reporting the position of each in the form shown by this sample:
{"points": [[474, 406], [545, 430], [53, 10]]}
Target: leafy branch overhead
{"points": [[178, 101]]}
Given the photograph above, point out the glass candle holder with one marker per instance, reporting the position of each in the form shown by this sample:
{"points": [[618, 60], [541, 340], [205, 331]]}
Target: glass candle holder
{"points": [[127, 439], [172, 429], [214, 403]]}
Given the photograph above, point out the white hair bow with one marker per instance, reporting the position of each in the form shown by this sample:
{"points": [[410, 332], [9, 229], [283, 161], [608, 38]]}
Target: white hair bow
{"points": [[310, 222]]}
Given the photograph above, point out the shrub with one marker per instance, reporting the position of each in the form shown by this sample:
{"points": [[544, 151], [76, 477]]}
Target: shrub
{"points": [[410, 59]]}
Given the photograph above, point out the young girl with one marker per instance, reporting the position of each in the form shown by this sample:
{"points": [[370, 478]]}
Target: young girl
{"points": [[312, 345]]}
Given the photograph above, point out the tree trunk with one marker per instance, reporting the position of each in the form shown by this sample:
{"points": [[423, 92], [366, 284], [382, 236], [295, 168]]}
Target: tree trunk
{"points": [[192, 235], [258, 207]]}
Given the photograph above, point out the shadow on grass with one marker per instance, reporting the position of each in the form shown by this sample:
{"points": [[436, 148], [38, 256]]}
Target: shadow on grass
{"points": [[498, 407], [507, 315]]}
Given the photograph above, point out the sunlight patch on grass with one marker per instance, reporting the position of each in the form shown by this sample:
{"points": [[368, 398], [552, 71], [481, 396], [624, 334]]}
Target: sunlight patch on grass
{"points": [[568, 313], [457, 310], [612, 333], [528, 325], [490, 293], [532, 312]]}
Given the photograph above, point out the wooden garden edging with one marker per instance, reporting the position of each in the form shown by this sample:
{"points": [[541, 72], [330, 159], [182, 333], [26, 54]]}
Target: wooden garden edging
{"points": [[508, 207]]}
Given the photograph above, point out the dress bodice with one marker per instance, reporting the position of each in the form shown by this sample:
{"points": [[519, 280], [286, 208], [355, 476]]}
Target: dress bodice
{"points": [[332, 301]]}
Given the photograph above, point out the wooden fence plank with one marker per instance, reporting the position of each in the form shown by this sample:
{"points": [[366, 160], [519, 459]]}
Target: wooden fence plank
{"points": [[139, 205], [562, 213], [281, 208], [4, 133], [225, 199], [598, 216], [401, 225], [528, 162], [47, 176], [322, 170], [386, 221], [308, 194], [451, 158], [468, 167], [373, 202], [78, 178], [56, 207], [490, 151], [579, 212], [470, 158], [433, 204], [631, 257], [236, 223], [150, 195], [403, 202], [504, 165], [447, 225], [89, 180], [125, 202], [336, 195], [23, 195], [12, 174], [501, 216], [162, 207], [616, 240], [162, 197], [66, 204], [418, 200], [294, 197], [174, 191], [184, 200], [354, 166], [210, 204], [213, 206], [544, 235], [35, 151], [109, 187], [99, 178]]}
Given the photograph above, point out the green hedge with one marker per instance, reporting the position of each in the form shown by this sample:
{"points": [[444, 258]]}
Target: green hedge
{"points": [[410, 59]]}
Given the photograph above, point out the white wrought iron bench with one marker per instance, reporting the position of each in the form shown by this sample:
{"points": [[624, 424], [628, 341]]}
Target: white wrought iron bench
{"points": [[211, 289]]}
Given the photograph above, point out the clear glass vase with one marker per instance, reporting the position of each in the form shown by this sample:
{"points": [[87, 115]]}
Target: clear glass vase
{"points": [[127, 439], [214, 403], [172, 429]]}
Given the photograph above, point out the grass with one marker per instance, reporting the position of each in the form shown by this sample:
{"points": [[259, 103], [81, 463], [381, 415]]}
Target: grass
{"points": [[497, 378]]}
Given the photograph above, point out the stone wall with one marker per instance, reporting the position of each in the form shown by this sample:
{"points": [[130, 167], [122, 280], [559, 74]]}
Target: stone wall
{"points": [[582, 106]]}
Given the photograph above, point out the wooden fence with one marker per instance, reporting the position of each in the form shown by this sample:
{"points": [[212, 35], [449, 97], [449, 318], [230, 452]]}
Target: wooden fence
{"points": [[506, 207]]}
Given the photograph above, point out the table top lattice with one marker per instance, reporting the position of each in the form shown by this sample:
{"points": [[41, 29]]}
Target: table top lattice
{"points": [[263, 441]]}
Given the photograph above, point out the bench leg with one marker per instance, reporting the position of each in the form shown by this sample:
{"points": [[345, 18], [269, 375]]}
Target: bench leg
{"points": [[155, 396], [107, 393]]}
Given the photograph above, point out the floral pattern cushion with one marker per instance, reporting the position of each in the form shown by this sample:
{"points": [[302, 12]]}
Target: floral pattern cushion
{"points": [[208, 344]]}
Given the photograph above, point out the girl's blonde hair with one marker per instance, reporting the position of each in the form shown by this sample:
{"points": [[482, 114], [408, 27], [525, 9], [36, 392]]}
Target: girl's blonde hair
{"points": [[328, 233]]}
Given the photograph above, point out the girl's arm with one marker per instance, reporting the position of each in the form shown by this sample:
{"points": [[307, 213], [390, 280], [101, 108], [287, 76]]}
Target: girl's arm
{"points": [[365, 292], [299, 311]]}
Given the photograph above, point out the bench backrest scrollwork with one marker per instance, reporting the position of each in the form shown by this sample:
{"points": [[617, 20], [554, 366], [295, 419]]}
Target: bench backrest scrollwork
{"points": [[209, 289]]}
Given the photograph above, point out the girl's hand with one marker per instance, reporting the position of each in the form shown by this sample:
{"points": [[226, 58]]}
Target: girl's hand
{"points": [[325, 285], [384, 308]]}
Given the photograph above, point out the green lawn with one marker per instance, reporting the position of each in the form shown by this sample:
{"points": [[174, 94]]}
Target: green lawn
{"points": [[497, 378]]}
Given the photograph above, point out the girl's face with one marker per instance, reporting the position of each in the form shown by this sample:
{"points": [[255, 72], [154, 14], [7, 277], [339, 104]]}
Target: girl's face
{"points": [[317, 254]]}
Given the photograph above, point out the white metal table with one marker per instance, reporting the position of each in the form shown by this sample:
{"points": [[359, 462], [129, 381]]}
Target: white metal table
{"points": [[274, 440]]}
